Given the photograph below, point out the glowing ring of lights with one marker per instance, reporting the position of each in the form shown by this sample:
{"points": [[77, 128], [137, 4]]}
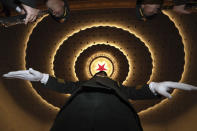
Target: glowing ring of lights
{"points": [[143, 41], [97, 42], [113, 54]]}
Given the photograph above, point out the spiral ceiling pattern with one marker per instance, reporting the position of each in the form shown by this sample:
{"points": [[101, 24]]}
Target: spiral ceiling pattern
{"points": [[132, 52]]}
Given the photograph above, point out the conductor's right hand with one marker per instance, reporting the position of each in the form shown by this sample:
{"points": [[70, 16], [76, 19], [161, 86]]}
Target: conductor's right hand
{"points": [[31, 75]]}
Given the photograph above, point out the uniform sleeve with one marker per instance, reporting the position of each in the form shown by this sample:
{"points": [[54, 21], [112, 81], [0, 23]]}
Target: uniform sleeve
{"points": [[60, 85], [31, 3], [179, 2], [9, 3], [150, 2], [139, 92]]}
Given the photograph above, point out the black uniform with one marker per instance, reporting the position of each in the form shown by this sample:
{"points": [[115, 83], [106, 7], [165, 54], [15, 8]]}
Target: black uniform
{"points": [[176, 2], [31, 3], [99, 104]]}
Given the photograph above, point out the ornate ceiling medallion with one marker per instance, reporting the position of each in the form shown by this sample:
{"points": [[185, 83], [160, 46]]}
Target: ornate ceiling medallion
{"points": [[101, 62]]}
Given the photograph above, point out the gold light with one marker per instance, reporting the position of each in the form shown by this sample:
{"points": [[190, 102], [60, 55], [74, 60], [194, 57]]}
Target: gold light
{"points": [[186, 49], [101, 62], [24, 64], [107, 24], [118, 46], [98, 41], [165, 101], [102, 58]]}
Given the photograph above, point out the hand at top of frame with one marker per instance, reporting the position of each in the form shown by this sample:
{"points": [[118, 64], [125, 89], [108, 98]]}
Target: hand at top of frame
{"points": [[180, 9], [31, 75], [162, 88], [31, 13]]}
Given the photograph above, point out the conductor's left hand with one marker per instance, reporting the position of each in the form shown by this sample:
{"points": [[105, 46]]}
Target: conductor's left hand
{"points": [[31, 75]]}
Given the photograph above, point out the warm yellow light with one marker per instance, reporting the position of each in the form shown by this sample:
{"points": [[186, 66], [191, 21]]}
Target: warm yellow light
{"points": [[98, 41], [186, 49], [165, 101], [111, 64], [24, 64], [106, 65], [85, 46], [117, 45], [102, 58], [114, 61]]}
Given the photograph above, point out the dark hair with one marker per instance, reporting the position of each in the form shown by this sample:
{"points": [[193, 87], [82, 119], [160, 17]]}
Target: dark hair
{"points": [[64, 16], [103, 73]]}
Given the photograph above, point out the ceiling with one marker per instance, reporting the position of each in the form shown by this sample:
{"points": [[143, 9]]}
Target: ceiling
{"points": [[163, 49]]}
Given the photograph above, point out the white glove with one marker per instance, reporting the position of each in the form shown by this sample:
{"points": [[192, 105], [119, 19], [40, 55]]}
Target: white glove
{"points": [[162, 88], [31, 75]]}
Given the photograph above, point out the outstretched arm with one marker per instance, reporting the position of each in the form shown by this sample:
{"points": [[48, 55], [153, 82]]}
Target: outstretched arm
{"points": [[47, 81], [162, 88], [139, 92], [30, 75]]}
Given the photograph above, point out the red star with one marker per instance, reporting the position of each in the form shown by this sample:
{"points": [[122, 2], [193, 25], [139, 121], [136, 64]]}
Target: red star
{"points": [[101, 67]]}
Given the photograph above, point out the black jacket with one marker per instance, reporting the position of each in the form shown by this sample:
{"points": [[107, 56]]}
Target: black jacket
{"points": [[31, 3], [176, 2], [103, 83]]}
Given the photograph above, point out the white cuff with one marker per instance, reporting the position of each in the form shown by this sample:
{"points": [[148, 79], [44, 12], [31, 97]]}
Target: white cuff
{"points": [[18, 9], [152, 88], [45, 78]]}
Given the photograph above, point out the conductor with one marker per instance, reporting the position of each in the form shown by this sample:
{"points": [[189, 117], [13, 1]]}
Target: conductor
{"points": [[100, 103]]}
